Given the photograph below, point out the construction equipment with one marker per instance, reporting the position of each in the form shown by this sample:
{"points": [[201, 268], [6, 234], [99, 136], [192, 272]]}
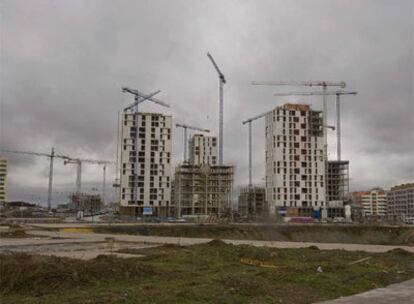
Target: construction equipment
{"points": [[222, 81], [139, 98], [78, 162], [317, 83], [338, 111], [51, 156], [249, 121], [185, 127]]}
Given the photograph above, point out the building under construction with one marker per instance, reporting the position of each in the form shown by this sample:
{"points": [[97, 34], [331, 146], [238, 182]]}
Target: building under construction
{"points": [[202, 189], [338, 180], [252, 202]]}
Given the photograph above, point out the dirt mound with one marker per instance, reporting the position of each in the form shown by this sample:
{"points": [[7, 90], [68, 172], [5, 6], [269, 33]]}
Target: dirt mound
{"points": [[216, 242], [44, 274], [399, 251]]}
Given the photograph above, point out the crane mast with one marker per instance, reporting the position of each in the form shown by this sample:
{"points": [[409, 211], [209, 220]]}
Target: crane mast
{"points": [[185, 127], [249, 121], [222, 81]]}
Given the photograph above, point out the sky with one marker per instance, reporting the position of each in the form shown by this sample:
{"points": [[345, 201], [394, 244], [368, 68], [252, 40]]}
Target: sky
{"points": [[63, 63]]}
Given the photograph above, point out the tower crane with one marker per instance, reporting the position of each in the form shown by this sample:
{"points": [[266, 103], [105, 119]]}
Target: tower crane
{"points": [[51, 157], [139, 98], [78, 162], [317, 83], [338, 111], [249, 121], [222, 81], [185, 127]]}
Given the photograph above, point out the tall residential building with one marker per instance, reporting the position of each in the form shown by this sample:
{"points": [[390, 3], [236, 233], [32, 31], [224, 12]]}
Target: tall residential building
{"points": [[374, 202], [3, 175], [400, 201], [295, 165], [150, 192], [203, 150]]}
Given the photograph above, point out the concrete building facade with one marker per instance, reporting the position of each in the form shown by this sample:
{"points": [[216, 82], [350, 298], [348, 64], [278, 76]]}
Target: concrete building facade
{"points": [[337, 181], [202, 189], [3, 176], [252, 202], [374, 203], [295, 165], [202, 150], [400, 201], [145, 189]]}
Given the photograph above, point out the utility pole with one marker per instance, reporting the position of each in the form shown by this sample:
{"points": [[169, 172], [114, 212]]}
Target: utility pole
{"points": [[338, 111], [222, 81], [249, 121], [185, 127], [49, 191], [139, 98]]}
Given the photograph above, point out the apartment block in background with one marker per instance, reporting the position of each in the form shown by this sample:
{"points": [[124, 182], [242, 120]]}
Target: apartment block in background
{"points": [[145, 189], [295, 165], [400, 201], [3, 176], [374, 203], [203, 150]]}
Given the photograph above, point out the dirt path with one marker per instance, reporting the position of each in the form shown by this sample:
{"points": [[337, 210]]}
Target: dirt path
{"points": [[98, 237]]}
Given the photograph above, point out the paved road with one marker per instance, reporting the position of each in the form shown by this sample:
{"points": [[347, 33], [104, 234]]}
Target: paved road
{"points": [[401, 293], [100, 237]]}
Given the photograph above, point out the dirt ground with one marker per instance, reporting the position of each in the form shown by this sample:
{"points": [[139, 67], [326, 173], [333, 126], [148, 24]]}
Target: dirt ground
{"points": [[214, 272], [355, 234]]}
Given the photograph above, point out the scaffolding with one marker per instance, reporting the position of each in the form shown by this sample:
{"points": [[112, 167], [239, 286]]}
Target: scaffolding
{"points": [[338, 180], [252, 201], [202, 189]]}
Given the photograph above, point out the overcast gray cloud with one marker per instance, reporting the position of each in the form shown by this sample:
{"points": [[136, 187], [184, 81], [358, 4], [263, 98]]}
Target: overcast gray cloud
{"points": [[63, 63]]}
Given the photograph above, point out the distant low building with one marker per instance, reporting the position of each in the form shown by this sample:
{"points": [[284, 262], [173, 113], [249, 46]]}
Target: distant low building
{"points": [[374, 203], [400, 201], [252, 202], [86, 202]]}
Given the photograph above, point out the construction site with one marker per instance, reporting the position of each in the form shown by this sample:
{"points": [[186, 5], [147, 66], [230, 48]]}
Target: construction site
{"points": [[203, 190], [136, 167]]}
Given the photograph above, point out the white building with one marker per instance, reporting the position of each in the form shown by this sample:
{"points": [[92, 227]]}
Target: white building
{"points": [[203, 150], [295, 165], [374, 202], [150, 193]]}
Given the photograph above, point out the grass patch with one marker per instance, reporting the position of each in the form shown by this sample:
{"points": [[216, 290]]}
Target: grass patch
{"points": [[206, 273]]}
